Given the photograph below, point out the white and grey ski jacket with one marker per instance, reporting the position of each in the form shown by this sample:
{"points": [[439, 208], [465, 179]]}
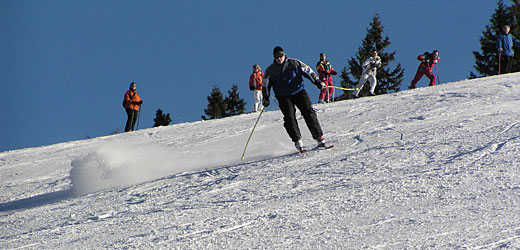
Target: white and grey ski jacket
{"points": [[370, 66]]}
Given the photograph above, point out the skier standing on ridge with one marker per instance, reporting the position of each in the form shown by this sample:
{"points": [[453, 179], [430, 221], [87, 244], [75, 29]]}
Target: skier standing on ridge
{"points": [[255, 85], [505, 44], [285, 76], [132, 103], [325, 71], [428, 60], [369, 73]]}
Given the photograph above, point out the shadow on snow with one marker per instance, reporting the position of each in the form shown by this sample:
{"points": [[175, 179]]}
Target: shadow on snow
{"points": [[37, 201]]}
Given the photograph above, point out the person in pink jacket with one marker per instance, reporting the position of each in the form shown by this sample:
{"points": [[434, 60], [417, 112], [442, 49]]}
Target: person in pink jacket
{"points": [[428, 60], [255, 85]]}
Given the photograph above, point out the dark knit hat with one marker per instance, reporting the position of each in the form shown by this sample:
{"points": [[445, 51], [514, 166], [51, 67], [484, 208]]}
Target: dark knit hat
{"points": [[278, 51]]}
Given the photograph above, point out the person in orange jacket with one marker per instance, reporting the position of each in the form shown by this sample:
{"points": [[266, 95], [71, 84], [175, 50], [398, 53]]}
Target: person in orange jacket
{"points": [[325, 71], [255, 85], [132, 103], [428, 60]]}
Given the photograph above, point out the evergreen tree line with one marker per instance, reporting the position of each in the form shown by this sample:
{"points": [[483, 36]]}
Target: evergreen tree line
{"points": [[220, 107]]}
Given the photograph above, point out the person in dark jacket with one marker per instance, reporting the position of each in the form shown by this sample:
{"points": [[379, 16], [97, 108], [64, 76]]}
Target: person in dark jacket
{"points": [[505, 44], [285, 77], [132, 103]]}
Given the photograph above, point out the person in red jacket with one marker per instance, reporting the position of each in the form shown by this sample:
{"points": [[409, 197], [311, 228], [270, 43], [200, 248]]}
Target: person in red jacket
{"points": [[325, 72], [132, 103], [255, 85], [428, 60]]}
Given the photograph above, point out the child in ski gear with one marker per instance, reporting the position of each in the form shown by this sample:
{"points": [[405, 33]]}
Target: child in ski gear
{"points": [[132, 103], [285, 77], [428, 60], [325, 71], [255, 85], [369, 73], [505, 44]]}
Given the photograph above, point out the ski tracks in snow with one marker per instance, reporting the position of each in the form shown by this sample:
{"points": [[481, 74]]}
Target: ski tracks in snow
{"points": [[491, 146]]}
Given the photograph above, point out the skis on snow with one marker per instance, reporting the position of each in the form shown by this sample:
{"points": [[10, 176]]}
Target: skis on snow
{"points": [[324, 147]]}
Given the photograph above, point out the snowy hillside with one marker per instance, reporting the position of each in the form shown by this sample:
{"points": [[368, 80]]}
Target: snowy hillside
{"points": [[432, 168]]}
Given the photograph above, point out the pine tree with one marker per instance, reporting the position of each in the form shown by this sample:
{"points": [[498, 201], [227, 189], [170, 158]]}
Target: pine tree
{"points": [[515, 16], [234, 104], [387, 80], [161, 119], [216, 106], [486, 61]]}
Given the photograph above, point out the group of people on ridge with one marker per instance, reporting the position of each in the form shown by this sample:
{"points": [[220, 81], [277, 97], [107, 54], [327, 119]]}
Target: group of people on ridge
{"points": [[370, 66], [285, 77]]}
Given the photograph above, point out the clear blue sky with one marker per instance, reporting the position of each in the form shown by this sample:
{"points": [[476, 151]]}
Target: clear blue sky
{"points": [[65, 64]]}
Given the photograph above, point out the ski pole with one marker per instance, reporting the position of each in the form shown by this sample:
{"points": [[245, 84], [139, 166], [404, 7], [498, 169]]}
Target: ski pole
{"points": [[342, 88], [499, 61], [437, 73], [334, 92], [138, 117], [328, 92], [254, 127]]}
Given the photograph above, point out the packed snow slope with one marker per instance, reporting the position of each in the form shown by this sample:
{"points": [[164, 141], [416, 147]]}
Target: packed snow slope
{"points": [[430, 168]]}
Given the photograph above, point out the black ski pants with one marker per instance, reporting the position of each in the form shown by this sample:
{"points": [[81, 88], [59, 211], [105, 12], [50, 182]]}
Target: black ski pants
{"points": [[507, 62], [132, 118], [302, 101]]}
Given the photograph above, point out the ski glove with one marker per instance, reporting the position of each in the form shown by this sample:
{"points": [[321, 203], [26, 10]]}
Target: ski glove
{"points": [[266, 102], [322, 85], [334, 73]]}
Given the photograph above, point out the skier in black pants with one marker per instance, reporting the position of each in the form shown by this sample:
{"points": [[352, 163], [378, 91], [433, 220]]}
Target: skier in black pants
{"points": [[285, 76]]}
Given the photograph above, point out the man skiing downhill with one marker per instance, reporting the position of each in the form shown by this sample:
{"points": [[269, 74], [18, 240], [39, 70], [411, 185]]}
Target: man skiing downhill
{"points": [[428, 60], [325, 71], [285, 77]]}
